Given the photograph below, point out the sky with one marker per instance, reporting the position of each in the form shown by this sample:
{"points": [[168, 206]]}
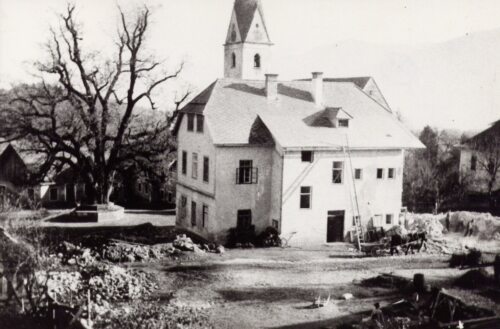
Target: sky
{"points": [[193, 31]]}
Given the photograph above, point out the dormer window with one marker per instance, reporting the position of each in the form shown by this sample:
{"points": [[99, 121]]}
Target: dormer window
{"points": [[343, 123], [330, 117], [256, 61]]}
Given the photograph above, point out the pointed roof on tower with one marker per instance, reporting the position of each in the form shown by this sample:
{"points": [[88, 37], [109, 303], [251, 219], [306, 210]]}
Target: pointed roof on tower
{"points": [[244, 14]]}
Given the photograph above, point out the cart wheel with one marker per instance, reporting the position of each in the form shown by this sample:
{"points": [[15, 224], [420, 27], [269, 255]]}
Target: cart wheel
{"points": [[375, 251]]}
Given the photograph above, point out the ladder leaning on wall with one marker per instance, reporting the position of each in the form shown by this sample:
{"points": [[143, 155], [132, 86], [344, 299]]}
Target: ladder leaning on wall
{"points": [[356, 215]]}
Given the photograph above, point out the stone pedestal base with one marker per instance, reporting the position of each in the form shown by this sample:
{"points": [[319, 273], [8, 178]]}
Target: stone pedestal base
{"points": [[99, 213]]}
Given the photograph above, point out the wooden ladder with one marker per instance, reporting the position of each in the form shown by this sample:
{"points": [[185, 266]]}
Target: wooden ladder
{"points": [[357, 218]]}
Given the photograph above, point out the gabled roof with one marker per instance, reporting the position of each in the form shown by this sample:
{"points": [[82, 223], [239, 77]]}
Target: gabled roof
{"points": [[7, 151], [488, 135], [245, 11], [358, 81], [196, 105], [234, 105]]}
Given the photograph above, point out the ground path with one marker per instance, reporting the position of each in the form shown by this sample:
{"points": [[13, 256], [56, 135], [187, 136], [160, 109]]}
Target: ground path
{"points": [[272, 288]]}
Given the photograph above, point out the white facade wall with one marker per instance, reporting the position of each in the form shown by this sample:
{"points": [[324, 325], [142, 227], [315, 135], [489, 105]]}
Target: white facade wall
{"points": [[231, 197], [244, 68], [375, 196], [196, 189]]}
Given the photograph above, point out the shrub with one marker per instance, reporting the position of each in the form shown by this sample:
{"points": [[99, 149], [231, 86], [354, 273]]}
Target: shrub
{"points": [[269, 238], [152, 315]]}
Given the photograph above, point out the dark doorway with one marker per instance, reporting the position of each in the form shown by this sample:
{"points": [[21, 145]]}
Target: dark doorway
{"points": [[70, 193], [335, 226]]}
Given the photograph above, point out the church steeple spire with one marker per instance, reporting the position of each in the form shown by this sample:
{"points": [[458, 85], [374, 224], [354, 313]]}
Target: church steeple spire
{"points": [[248, 47]]}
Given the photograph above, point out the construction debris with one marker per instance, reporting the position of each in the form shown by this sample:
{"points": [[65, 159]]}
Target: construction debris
{"points": [[429, 308], [320, 302], [119, 251]]}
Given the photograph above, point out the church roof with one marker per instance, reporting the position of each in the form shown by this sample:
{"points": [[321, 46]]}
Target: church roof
{"points": [[235, 105], [245, 11]]}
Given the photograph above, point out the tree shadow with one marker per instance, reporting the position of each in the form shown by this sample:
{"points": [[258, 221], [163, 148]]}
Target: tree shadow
{"points": [[337, 322], [271, 294]]}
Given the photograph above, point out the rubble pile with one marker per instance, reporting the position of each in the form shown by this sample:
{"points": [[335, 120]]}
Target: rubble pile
{"points": [[425, 307], [106, 283], [114, 283], [118, 251], [428, 223], [126, 252], [485, 227]]}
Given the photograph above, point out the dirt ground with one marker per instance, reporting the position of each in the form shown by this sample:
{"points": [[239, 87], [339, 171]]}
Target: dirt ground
{"points": [[274, 288]]}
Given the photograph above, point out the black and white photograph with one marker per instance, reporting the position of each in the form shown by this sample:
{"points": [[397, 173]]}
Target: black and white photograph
{"points": [[278, 164]]}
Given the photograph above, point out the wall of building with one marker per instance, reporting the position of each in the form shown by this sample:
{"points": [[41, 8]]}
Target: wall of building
{"points": [[276, 187], [231, 197], [62, 199], [193, 189], [13, 171], [375, 196], [205, 228], [200, 143], [244, 68], [477, 180], [372, 89]]}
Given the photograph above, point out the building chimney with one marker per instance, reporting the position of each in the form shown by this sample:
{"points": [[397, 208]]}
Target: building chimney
{"points": [[317, 88], [271, 87]]}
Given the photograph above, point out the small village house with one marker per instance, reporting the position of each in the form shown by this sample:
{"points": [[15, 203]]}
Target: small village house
{"points": [[477, 167], [13, 175], [307, 157]]}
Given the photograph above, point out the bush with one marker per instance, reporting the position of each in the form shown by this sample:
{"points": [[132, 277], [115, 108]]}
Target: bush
{"points": [[269, 238], [152, 315]]}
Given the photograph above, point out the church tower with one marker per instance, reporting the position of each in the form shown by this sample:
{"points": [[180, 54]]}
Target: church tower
{"points": [[247, 50]]}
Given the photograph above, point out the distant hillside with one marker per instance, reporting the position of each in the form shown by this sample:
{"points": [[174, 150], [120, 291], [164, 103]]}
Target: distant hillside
{"points": [[424, 83]]}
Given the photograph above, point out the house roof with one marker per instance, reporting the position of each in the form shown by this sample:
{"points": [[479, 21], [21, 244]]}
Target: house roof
{"points": [[245, 11], [487, 135], [358, 81], [234, 105]]}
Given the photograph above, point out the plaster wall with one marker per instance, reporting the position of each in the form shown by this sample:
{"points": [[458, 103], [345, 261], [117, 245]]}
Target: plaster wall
{"points": [[232, 197], [375, 196]]}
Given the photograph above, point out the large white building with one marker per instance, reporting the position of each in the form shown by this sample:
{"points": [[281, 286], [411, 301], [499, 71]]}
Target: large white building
{"points": [[304, 156]]}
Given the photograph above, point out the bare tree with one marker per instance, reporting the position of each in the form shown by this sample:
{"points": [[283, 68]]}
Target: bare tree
{"points": [[432, 175], [89, 120]]}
